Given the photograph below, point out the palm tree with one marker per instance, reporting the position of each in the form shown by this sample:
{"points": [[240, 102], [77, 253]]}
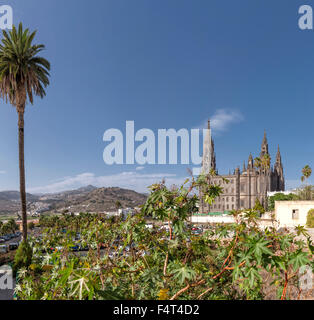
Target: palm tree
{"points": [[23, 74], [306, 171], [12, 226], [263, 164], [118, 204], [306, 193]]}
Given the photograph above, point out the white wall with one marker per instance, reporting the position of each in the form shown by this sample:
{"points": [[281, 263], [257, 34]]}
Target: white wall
{"points": [[283, 212], [212, 219]]}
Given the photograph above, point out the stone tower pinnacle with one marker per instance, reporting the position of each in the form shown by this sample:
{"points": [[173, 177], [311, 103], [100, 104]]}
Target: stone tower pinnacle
{"points": [[207, 149], [250, 164], [264, 149]]}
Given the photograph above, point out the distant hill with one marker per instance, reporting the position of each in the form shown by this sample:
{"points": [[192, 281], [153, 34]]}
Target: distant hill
{"points": [[15, 195], [85, 199]]}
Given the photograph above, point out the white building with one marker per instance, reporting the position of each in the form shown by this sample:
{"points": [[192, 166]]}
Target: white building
{"points": [[287, 192], [290, 214]]}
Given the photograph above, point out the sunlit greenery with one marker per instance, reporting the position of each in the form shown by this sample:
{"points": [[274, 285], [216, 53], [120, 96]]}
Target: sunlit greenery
{"points": [[127, 260]]}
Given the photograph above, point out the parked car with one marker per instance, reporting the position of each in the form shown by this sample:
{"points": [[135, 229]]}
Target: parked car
{"points": [[83, 248], [2, 240], [4, 248], [75, 248], [196, 231], [13, 245]]}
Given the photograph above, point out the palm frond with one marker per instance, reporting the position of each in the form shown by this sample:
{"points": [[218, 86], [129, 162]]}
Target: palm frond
{"points": [[23, 74]]}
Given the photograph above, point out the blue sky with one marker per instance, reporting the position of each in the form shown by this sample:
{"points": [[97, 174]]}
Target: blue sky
{"points": [[163, 64]]}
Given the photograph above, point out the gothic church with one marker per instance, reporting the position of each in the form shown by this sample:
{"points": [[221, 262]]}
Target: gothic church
{"points": [[244, 186]]}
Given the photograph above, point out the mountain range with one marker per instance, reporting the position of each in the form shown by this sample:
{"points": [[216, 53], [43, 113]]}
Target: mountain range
{"points": [[85, 199]]}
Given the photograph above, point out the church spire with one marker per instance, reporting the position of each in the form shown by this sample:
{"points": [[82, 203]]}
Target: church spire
{"points": [[264, 149], [278, 171], [278, 156], [213, 156], [244, 168], [209, 157], [250, 163]]}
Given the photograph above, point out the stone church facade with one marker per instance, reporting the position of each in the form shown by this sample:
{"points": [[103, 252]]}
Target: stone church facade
{"points": [[244, 186]]}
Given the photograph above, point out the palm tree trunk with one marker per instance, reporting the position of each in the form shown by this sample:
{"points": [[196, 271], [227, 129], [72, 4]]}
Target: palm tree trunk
{"points": [[22, 173]]}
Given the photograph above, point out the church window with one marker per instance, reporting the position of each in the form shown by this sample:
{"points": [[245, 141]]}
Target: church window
{"points": [[232, 199], [227, 206], [232, 206], [227, 199]]}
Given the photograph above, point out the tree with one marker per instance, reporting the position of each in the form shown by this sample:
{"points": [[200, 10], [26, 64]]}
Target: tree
{"points": [[306, 192], [118, 204], [306, 171], [310, 219], [12, 226], [258, 207], [263, 165], [280, 197], [23, 74], [31, 225]]}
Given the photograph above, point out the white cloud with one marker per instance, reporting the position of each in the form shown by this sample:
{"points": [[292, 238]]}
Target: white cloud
{"points": [[128, 180], [222, 119], [2, 172], [139, 168]]}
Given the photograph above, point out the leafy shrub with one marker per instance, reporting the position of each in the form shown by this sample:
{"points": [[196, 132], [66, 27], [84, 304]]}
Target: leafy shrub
{"points": [[227, 261], [31, 226], [310, 219], [280, 197], [23, 256], [258, 207]]}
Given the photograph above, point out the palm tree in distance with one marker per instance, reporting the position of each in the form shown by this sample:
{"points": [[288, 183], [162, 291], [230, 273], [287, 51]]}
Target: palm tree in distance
{"points": [[306, 171], [306, 193], [23, 74], [263, 165]]}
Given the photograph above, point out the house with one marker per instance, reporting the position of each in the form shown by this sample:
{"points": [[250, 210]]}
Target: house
{"points": [[290, 214]]}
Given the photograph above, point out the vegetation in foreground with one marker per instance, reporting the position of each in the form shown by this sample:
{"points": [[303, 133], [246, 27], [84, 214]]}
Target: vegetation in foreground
{"points": [[128, 260]]}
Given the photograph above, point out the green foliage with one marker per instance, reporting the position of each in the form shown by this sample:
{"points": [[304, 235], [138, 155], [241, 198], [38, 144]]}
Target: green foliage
{"points": [[23, 256], [31, 225], [310, 219], [280, 197], [306, 192], [262, 163], [225, 262], [306, 172], [258, 207], [8, 227], [23, 73]]}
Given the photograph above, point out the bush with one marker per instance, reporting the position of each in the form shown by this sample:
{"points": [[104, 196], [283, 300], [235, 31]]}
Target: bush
{"points": [[31, 226], [23, 256], [280, 197], [310, 219], [258, 207]]}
